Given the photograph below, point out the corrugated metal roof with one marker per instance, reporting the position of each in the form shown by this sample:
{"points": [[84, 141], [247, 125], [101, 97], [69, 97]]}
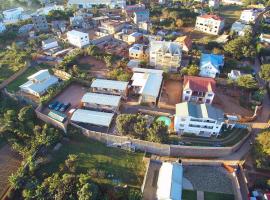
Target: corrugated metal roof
{"points": [[109, 84], [92, 117], [169, 185], [199, 111], [57, 115], [101, 99]]}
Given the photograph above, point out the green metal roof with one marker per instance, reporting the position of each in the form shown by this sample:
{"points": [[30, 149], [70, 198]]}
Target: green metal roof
{"points": [[58, 116], [199, 111]]}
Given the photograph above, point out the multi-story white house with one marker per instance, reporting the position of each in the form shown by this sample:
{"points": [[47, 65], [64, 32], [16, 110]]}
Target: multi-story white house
{"points": [[77, 38], [200, 119], [13, 14], [141, 16], [198, 89], [211, 64], [165, 55], [39, 83], [91, 3], [211, 24], [249, 16]]}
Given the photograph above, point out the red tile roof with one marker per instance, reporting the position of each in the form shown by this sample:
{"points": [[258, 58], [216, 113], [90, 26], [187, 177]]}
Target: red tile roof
{"points": [[209, 16], [184, 40], [199, 84]]}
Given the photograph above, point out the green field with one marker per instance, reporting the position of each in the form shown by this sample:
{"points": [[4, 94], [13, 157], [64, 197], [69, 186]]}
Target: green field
{"points": [[230, 13], [189, 195], [219, 196], [125, 167], [192, 195], [229, 138]]}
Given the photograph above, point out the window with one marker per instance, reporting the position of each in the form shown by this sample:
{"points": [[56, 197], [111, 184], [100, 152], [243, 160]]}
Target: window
{"points": [[210, 95]]}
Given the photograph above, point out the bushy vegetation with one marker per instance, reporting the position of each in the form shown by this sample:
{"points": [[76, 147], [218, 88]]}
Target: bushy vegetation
{"points": [[241, 47], [12, 60], [262, 150], [24, 133], [138, 127], [191, 70], [171, 18]]}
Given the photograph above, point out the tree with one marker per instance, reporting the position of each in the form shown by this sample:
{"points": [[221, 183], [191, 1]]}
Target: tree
{"points": [[108, 59], [134, 195], [241, 47], [71, 162], [262, 149], [265, 72], [88, 191], [179, 23], [158, 132], [247, 82], [193, 70], [125, 123]]}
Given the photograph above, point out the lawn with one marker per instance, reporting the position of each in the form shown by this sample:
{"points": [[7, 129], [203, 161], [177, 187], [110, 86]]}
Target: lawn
{"points": [[122, 166], [230, 13], [230, 138], [192, 195], [189, 195], [219, 196]]}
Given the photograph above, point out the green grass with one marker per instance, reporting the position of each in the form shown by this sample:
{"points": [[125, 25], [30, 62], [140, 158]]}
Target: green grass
{"points": [[230, 13], [189, 195], [126, 167], [229, 139], [217, 196]]}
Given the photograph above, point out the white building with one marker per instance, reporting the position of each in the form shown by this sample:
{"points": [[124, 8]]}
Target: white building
{"points": [[13, 14], [170, 181], [100, 119], [234, 74], [77, 38], [2, 27], [249, 16], [265, 38], [141, 16], [235, 2], [39, 83], [213, 3], [91, 3], [240, 28], [211, 24], [165, 55], [101, 101], [198, 89], [112, 87], [45, 10], [200, 119], [139, 52], [49, 44], [147, 83], [211, 64]]}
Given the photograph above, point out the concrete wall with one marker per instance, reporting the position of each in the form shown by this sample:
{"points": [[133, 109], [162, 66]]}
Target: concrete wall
{"points": [[164, 149], [47, 119]]}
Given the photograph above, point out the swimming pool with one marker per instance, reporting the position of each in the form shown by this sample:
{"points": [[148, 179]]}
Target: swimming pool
{"points": [[165, 119]]}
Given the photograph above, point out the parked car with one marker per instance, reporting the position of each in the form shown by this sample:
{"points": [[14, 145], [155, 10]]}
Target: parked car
{"points": [[58, 106], [53, 105], [65, 107]]}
